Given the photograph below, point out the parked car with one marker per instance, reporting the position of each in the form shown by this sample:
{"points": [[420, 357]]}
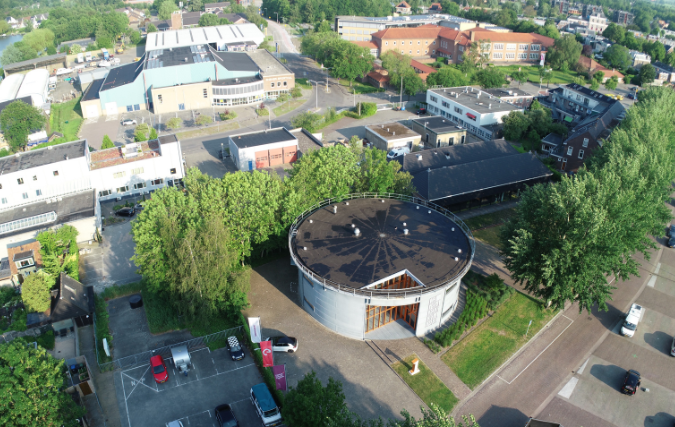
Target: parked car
{"points": [[672, 348], [126, 212], [159, 370], [630, 324], [129, 122], [671, 242], [265, 406], [225, 416], [631, 96], [395, 152], [235, 349], [176, 423], [631, 383], [422, 111], [283, 344]]}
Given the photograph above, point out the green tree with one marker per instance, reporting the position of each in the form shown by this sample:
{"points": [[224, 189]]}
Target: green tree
{"points": [[323, 27], [397, 65], [196, 5], [166, 8], [377, 175], [151, 28], [35, 292], [549, 30], [59, 252], [348, 60], [520, 77], [612, 83], [618, 56], [490, 78], [39, 39], [107, 143], [413, 83], [10, 55], [595, 84], [32, 384], [204, 119], [208, 20], [670, 59], [615, 33], [75, 49], [174, 123], [565, 52], [656, 50], [135, 37], [435, 417], [153, 134], [646, 76], [447, 77], [18, 121], [310, 404], [516, 125], [141, 135]]}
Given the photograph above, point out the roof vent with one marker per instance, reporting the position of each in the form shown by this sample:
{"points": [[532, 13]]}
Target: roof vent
{"points": [[404, 224], [304, 248], [50, 147], [357, 231], [456, 259], [311, 221], [419, 157], [489, 106], [334, 209], [382, 200], [459, 251], [452, 229], [418, 207], [429, 211], [347, 203], [394, 132], [353, 225], [405, 231], [17, 155]]}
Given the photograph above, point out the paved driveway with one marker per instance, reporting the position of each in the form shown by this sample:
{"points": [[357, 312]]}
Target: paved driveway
{"points": [[93, 130], [371, 388]]}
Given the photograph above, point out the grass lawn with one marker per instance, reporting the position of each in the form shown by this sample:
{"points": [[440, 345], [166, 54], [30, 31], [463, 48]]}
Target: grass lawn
{"points": [[360, 87], [303, 83], [519, 148], [486, 220], [289, 106], [533, 74], [426, 385], [66, 118], [475, 357], [490, 236]]}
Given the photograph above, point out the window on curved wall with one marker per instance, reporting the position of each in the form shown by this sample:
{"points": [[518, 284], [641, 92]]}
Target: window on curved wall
{"points": [[449, 303]]}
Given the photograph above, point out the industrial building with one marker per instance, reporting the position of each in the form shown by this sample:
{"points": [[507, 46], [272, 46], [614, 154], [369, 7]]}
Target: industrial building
{"points": [[64, 183], [34, 84], [392, 135], [220, 37], [480, 112], [437, 131], [256, 150], [190, 77], [380, 267]]}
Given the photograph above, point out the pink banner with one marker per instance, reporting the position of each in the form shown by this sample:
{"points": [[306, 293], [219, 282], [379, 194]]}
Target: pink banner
{"points": [[266, 349], [280, 376]]}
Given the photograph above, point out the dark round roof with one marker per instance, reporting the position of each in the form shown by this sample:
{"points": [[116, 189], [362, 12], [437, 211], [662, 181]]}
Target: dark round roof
{"points": [[381, 249]]}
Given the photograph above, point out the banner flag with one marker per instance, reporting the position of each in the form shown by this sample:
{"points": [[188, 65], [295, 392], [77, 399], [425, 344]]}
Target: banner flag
{"points": [[266, 349], [254, 326], [280, 376]]}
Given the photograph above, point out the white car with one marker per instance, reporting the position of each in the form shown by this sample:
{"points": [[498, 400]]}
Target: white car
{"points": [[630, 324], [283, 344], [62, 71], [104, 64]]}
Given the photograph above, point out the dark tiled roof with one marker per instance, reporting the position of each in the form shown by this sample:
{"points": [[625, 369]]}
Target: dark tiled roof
{"points": [[663, 66], [40, 61], [553, 138], [167, 139], [468, 178], [221, 5], [255, 139], [458, 154], [5, 271], [437, 124], [593, 94], [93, 90], [381, 249], [42, 156], [235, 61], [69, 208], [22, 255], [232, 17], [191, 18], [74, 300], [122, 75]]}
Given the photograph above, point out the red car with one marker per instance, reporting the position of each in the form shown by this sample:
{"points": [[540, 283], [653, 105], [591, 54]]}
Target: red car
{"points": [[159, 369]]}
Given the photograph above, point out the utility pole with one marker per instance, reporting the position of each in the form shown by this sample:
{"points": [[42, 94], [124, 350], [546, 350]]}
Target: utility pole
{"points": [[316, 91], [401, 97]]}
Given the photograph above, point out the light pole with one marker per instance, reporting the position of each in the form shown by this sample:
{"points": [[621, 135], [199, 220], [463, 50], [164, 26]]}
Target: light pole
{"points": [[325, 68], [316, 91], [277, 17]]}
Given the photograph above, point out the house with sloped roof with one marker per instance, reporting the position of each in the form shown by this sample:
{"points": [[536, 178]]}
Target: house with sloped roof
{"points": [[403, 8], [593, 67]]}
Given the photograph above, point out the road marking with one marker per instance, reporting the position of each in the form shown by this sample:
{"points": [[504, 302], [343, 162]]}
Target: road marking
{"points": [[581, 370], [652, 280], [141, 381], [540, 353], [566, 391], [125, 401]]}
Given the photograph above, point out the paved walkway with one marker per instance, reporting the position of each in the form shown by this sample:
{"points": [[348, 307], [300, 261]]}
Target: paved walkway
{"points": [[107, 414], [486, 209], [397, 350]]}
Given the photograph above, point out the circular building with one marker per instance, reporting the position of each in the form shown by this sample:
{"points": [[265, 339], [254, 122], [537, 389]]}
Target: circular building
{"points": [[380, 267]]}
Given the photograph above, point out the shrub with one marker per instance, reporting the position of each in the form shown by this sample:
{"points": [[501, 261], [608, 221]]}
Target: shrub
{"points": [[140, 136], [153, 134], [46, 340], [204, 119], [174, 123], [143, 127], [296, 92]]}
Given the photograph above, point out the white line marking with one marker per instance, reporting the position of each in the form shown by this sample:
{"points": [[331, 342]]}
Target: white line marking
{"points": [[139, 382], [652, 280], [239, 401], [125, 401], [540, 353], [581, 370], [566, 391]]}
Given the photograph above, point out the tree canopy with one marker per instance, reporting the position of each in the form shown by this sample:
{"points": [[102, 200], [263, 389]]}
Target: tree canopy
{"points": [[32, 383], [618, 56], [562, 244], [447, 77], [18, 121], [35, 291], [565, 52], [346, 60]]}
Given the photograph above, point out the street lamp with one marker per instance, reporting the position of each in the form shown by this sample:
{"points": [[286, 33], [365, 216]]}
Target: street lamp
{"points": [[277, 17]]}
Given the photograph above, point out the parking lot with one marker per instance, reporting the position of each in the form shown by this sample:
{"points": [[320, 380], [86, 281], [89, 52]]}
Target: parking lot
{"points": [[214, 380]]}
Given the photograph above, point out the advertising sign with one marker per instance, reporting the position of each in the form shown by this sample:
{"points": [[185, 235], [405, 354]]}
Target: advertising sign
{"points": [[266, 349], [542, 58], [280, 376], [254, 326]]}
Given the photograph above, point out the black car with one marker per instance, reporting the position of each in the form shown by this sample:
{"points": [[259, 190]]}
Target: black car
{"points": [[235, 349], [631, 383], [126, 212], [671, 242], [671, 230], [225, 416]]}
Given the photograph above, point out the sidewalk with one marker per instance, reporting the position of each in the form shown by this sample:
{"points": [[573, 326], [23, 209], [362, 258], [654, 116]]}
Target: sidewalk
{"points": [[486, 209], [107, 414]]}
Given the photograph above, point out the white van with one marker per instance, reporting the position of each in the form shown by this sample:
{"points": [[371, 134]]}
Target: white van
{"points": [[265, 406], [630, 324]]}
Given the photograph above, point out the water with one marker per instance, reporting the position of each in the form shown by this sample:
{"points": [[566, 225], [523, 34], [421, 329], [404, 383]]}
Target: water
{"points": [[6, 41]]}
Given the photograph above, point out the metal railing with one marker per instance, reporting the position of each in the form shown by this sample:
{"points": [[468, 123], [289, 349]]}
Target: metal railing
{"points": [[388, 294], [165, 352]]}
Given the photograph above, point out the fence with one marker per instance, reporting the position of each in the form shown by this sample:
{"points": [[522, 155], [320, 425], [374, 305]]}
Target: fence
{"points": [[165, 352]]}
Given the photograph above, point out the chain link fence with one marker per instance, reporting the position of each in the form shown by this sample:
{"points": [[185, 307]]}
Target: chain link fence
{"points": [[165, 352]]}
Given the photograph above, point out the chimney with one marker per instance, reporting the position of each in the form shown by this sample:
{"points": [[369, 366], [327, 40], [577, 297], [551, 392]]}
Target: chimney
{"points": [[176, 21]]}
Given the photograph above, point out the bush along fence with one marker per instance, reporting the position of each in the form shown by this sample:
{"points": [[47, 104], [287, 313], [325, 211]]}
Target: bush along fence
{"points": [[267, 374], [484, 295]]}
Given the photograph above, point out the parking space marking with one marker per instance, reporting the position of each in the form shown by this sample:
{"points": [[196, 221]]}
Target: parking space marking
{"points": [[540, 353], [652, 280], [187, 417], [125, 401], [581, 370], [566, 391], [141, 381]]}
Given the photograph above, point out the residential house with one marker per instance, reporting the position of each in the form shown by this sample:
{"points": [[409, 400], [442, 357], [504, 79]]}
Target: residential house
{"points": [[623, 18], [216, 7], [422, 69], [136, 17], [13, 23], [235, 18], [639, 59], [36, 20], [593, 67], [403, 8], [592, 9], [586, 137], [24, 260], [573, 103], [435, 8], [190, 19], [562, 6], [664, 72], [392, 135]]}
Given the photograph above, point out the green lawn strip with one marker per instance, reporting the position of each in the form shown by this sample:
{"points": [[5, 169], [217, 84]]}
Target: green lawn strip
{"points": [[475, 357], [360, 88], [303, 83], [533, 74], [491, 218], [426, 384], [116, 291], [490, 236], [287, 107], [102, 328], [519, 148], [66, 112]]}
